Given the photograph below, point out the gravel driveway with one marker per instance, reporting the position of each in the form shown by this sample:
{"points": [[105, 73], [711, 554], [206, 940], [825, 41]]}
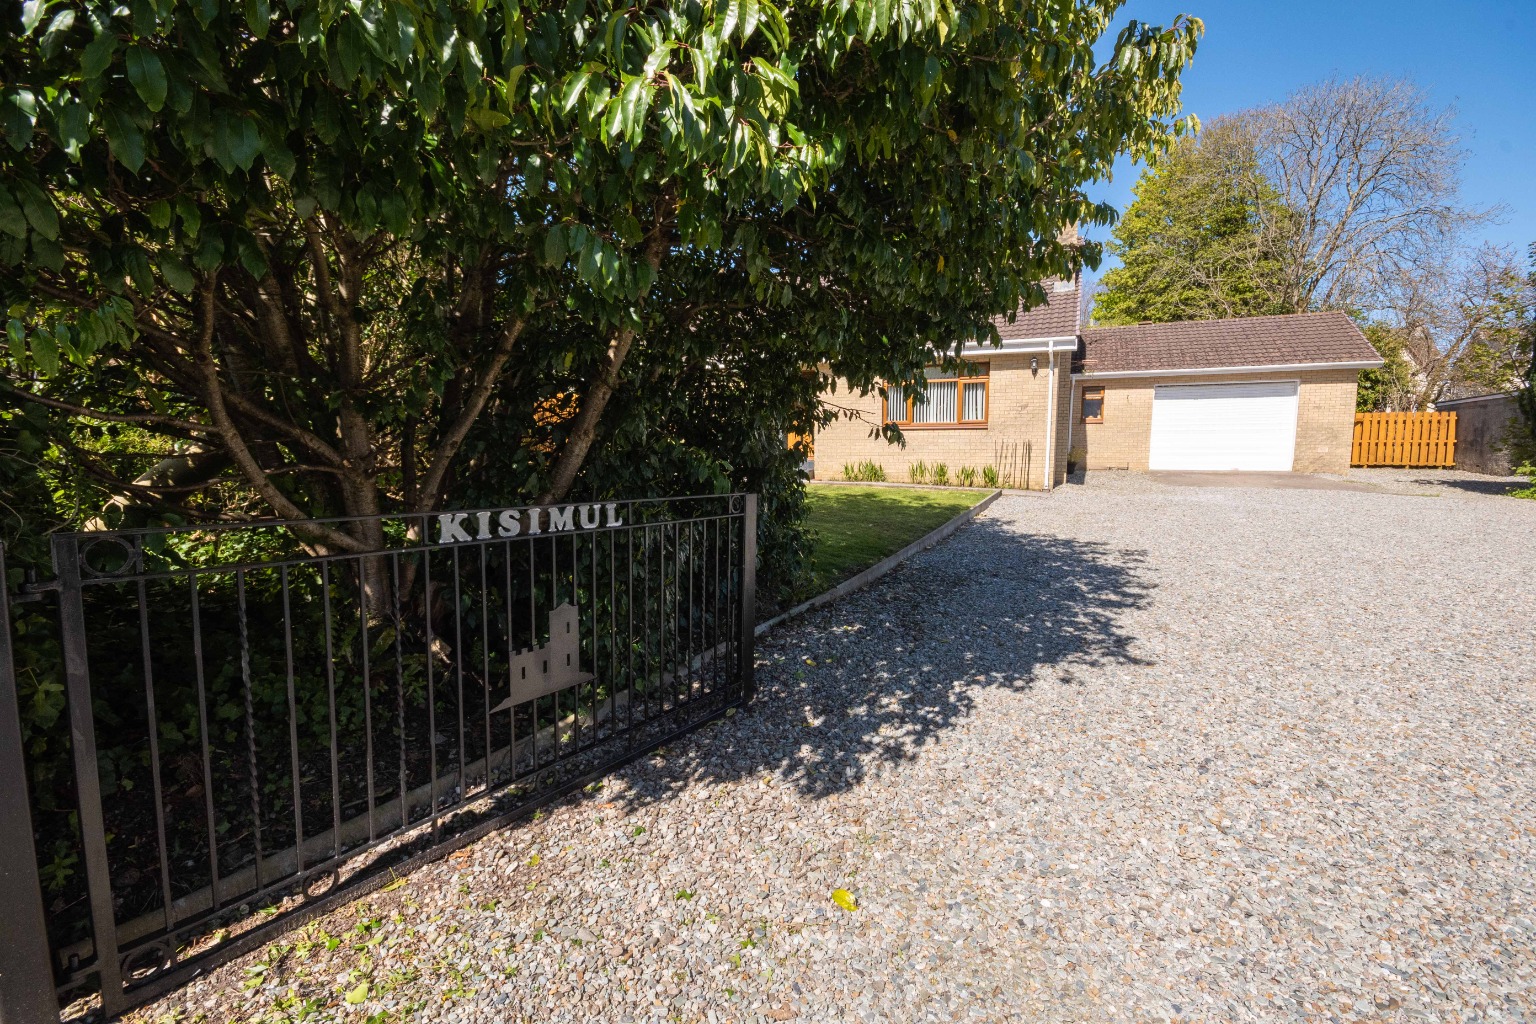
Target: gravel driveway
{"points": [[1129, 752]]}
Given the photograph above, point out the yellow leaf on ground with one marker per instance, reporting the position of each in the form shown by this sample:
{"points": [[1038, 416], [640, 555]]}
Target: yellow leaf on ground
{"points": [[358, 994], [844, 899]]}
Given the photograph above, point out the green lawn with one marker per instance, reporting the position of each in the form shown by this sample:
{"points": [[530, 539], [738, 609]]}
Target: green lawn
{"points": [[855, 527]]}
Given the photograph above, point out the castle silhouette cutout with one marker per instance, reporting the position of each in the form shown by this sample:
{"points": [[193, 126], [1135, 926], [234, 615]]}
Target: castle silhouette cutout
{"points": [[549, 667]]}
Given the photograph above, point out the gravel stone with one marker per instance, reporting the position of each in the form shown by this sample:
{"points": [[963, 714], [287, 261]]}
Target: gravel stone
{"points": [[1127, 752]]}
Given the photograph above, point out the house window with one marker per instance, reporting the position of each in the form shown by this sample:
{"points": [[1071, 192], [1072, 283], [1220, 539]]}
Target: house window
{"points": [[946, 398], [1093, 405]]}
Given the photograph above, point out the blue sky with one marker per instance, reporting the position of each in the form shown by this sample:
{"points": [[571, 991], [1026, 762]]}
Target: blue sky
{"points": [[1477, 55]]}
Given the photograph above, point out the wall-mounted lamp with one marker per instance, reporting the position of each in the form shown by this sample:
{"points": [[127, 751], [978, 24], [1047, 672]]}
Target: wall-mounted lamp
{"points": [[1034, 366]]}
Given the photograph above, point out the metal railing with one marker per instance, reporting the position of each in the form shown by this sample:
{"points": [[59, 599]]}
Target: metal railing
{"points": [[259, 730]]}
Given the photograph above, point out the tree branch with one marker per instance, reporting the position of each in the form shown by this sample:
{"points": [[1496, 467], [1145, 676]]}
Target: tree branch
{"points": [[240, 452], [469, 411]]}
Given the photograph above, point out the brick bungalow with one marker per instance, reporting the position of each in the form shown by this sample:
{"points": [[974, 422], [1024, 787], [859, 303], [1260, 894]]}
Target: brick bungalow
{"points": [[1273, 393]]}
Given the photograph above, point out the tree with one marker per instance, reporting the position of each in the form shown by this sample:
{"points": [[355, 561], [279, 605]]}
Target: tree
{"points": [[1392, 386], [1522, 447], [1458, 324], [1369, 174], [1193, 244], [318, 244]]}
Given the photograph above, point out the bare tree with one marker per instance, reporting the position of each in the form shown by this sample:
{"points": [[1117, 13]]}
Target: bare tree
{"points": [[1461, 323], [1369, 171]]}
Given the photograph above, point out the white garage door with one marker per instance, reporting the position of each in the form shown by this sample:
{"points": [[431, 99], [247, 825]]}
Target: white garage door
{"points": [[1224, 426]]}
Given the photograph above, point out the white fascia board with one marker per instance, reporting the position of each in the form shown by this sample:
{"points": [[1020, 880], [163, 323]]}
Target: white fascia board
{"points": [[1064, 343], [1207, 371]]}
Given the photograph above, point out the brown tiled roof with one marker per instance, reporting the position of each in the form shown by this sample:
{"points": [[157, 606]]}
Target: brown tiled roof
{"points": [[1204, 344], [1056, 319]]}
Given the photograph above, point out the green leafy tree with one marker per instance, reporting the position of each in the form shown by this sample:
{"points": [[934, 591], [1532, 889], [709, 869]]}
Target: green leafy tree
{"points": [[1391, 386], [1199, 241], [1523, 442], [338, 259]]}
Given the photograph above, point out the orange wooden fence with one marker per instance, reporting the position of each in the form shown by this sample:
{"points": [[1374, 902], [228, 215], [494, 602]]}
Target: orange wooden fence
{"points": [[1404, 439]]}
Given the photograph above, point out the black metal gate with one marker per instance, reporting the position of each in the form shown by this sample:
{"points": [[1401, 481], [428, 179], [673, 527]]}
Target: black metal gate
{"points": [[257, 730]]}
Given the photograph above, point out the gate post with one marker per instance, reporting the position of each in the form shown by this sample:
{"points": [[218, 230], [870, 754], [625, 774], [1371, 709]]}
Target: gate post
{"points": [[82, 736], [747, 664], [27, 994]]}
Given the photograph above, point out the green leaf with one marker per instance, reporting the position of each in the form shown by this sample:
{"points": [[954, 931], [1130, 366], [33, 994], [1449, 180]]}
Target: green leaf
{"points": [[488, 120], [629, 112], [73, 128], [554, 246], [509, 87], [279, 157], [191, 217], [728, 19], [177, 274], [358, 994], [252, 260], [17, 115], [47, 252], [613, 38], [125, 140], [97, 56], [136, 262], [12, 221], [210, 254], [31, 14], [38, 208], [349, 48], [160, 214], [58, 28], [148, 76], [236, 141], [749, 18], [45, 353], [258, 17], [573, 87]]}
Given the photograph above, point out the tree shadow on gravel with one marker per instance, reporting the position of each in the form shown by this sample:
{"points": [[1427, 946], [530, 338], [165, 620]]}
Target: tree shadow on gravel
{"points": [[879, 676], [1495, 485]]}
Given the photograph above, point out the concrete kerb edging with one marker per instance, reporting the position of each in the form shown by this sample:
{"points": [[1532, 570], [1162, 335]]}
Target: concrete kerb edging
{"points": [[881, 567], [891, 483]]}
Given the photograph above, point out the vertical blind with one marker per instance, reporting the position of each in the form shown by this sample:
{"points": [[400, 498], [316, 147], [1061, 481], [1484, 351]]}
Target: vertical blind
{"points": [[939, 406], [975, 401], [941, 399]]}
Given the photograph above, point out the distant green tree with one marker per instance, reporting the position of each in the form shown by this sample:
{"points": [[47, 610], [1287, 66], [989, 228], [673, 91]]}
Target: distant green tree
{"points": [[1522, 446], [1392, 386], [1200, 240]]}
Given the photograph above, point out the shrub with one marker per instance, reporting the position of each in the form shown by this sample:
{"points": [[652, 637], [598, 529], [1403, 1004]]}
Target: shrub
{"points": [[918, 472], [940, 474], [966, 475], [989, 476]]}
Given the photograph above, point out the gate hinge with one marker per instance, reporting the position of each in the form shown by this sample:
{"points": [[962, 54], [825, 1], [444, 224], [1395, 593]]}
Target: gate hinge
{"points": [[33, 591]]}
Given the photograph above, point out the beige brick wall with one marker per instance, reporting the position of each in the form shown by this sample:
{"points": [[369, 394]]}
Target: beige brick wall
{"points": [[1014, 434], [1324, 425]]}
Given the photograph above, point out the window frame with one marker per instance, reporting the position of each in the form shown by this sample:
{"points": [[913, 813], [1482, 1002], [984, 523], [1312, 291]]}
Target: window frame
{"points": [[961, 382], [1082, 405]]}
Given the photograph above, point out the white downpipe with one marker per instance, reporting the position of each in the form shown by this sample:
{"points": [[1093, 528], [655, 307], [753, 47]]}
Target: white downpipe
{"points": [[1050, 428], [1071, 416]]}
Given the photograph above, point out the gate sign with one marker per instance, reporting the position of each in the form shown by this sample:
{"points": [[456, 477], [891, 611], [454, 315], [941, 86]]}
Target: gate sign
{"points": [[456, 527], [553, 666]]}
